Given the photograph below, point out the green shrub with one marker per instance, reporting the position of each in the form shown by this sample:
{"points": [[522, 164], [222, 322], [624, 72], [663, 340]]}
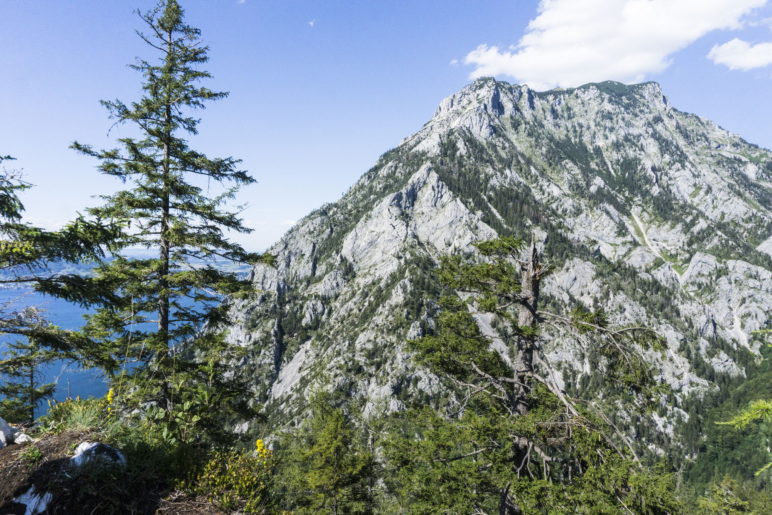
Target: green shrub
{"points": [[155, 463], [722, 499], [74, 415], [31, 455], [236, 480]]}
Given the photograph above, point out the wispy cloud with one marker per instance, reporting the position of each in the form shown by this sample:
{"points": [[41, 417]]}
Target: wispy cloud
{"points": [[312, 23], [571, 42], [741, 55]]}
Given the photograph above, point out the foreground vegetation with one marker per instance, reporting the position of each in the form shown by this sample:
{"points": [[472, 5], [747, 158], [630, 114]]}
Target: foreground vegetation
{"points": [[414, 462]]}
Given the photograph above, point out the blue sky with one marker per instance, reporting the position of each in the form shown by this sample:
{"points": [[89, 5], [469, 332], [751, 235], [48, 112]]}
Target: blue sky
{"points": [[319, 89]]}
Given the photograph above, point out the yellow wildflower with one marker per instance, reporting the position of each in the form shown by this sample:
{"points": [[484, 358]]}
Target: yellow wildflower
{"points": [[261, 450], [110, 399]]}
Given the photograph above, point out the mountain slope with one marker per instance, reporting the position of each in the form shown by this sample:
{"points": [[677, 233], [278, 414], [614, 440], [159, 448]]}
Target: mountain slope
{"points": [[661, 217]]}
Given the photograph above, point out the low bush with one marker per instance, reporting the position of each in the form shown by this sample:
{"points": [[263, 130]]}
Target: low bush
{"points": [[238, 481], [74, 415]]}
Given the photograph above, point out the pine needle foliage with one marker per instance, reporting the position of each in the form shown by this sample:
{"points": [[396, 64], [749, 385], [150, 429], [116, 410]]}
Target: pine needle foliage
{"points": [[26, 255], [722, 499], [515, 442], [21, 390], [325, 467], [758, 411], [161, 303]]}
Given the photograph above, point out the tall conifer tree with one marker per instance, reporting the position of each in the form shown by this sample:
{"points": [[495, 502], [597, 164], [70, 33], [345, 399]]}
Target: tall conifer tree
{"points": [[163, 301]]}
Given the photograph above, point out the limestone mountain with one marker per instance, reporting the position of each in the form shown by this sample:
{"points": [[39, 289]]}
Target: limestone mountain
{"points": [[659, 216]]}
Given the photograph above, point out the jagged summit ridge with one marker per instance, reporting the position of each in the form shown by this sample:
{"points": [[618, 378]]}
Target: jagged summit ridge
{"points": [[599, 116], [478, 105], [660, 216]]}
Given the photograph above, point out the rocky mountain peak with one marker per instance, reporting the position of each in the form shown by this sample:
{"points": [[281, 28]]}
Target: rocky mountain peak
{"points": [[502, 98], [659, 216], [487, 107], [483, 94]]}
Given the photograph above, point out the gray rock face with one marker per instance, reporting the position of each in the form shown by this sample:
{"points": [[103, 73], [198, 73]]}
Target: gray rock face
{"points": [[661, 217]]}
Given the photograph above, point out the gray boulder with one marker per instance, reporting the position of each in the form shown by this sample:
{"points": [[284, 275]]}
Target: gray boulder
{"points": [[7, 433], [90, 452]]}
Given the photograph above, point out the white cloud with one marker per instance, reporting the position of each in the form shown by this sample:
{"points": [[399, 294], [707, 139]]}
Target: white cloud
{"points": [[741, 55], [454, 62], [572, 42], [762, 22], [312, 23]]}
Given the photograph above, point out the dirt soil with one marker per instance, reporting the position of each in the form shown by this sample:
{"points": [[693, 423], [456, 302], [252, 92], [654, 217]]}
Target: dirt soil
{"points": [[20, 468], [17, 468], [179, 503]]}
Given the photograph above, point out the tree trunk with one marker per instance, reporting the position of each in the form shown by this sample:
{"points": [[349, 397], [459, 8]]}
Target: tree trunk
{"points": [[507, 505], [165, 244], [529, 291], [32, 392], [163, 298]]}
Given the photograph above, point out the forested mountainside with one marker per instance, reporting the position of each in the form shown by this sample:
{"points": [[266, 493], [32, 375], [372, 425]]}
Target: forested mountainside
{"points": [[660, 217]]}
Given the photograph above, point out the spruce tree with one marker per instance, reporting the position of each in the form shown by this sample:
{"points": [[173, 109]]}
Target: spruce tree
{"points": [[324, 467], [758, 411], [162, 302], [524, 443]]}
